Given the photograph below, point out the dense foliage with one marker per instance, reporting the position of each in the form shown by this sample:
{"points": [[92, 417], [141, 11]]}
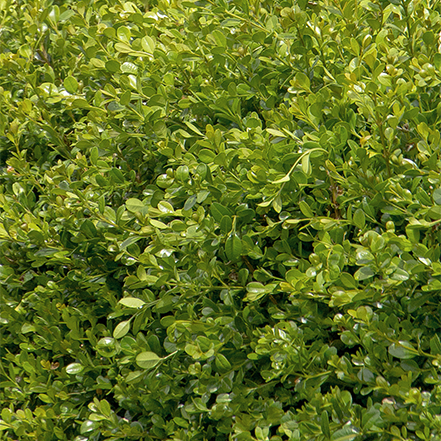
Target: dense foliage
{"points": [[220, 220]]}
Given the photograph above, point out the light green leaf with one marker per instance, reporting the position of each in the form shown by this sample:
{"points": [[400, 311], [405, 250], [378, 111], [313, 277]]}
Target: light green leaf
{"points": [[347, 433], [222, 362], [435, 212], [277, 133], [71, 84], [147, 360], [256, 290], [277, 204], [148, 44], [437, 196], [132, 302], [403, 350], [359, 218], [286, 178], [364, 273], [74, 368], [129, 241], [129, 68], [306, 165], [303, 80], [123, 47], [265, 203], [121, 329], [206, 156], [193, 128], [158, 224], [190, 202], [305, 209]]}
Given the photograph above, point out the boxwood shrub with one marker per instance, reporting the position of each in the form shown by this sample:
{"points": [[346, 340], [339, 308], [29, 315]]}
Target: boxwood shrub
{"points": [[220, 220]]}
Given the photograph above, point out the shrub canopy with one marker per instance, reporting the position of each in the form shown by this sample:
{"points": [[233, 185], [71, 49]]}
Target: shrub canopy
{"points": [[220, 220]]}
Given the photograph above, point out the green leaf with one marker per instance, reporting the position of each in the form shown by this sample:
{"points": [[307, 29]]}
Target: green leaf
{"points": [[88, 426], [305, 209], [437, 196], [123, 47], [148, 44], [125, 100], [306, 165], [129, 68], [364, 273], [370, 418], [400, 274], [403, 350], [194, 129], [218, 211], [158, 224], [277, 204], [222, 363], [377, 244], [435, 213], [105, 408], [303, 80], [121, 329], [348, 280], [359, 218], [324, 425], [256, 290], [112, 66], [132, 302], [147, 360], [71, 84], [286, 178], [129, 241], [190, 202], [280, 134], [134, 205], [74, 368], [206, 156], [233, 247], [226, 224], [347, 433]]}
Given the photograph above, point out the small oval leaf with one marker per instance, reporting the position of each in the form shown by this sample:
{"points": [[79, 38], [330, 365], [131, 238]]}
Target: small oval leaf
{"points": [[74, 368], [121, 329], [71, 84], [132, 302], [359, 218], [233, 247], [403, 350], [147, 360]]}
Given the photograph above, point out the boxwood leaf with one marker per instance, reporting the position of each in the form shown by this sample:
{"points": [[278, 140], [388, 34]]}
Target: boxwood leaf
{"points": [[147, 360], [233, 247], [222, 362], [364, 273], [359, 218], [121, 329], [74, 368], [132, 302], [71, 84], [403, 350]]}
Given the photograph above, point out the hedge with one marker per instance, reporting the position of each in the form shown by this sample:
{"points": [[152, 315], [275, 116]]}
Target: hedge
{"points": [[220, 220]]}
